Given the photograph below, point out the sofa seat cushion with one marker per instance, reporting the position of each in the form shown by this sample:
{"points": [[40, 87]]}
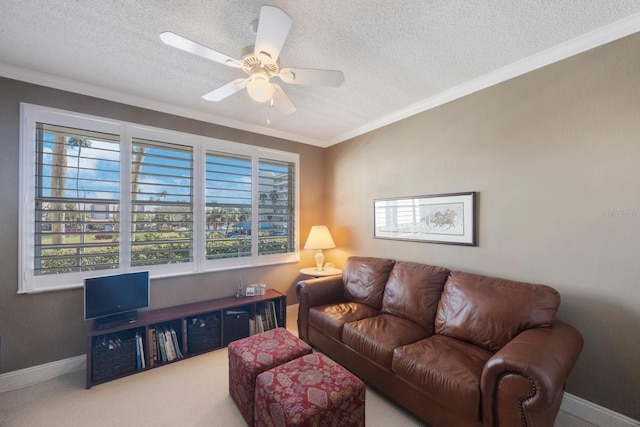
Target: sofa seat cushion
{"points": [[447, 369], [376, 337], [413, 291], [329, 319]]}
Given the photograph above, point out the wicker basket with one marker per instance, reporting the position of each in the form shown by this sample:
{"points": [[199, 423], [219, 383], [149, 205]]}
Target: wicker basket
{"points": [[113, 357], [236, 326], [203, 333]]}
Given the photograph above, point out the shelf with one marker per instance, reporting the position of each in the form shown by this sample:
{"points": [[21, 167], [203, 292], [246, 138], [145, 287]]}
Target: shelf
{"points": [[194, 329]]}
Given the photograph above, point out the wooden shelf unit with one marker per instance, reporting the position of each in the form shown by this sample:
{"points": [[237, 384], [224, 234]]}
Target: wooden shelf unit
{"points": [[107, 362]]}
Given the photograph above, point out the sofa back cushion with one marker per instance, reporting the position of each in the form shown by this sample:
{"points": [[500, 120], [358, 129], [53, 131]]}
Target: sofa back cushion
{"points": [[364, 279], [490, 312], [413, 291]]}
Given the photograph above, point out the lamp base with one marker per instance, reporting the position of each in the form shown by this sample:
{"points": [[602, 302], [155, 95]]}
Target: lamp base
{"points": [[319, 260]]}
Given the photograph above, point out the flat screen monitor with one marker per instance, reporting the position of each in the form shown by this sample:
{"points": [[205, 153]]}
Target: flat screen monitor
{"points": [[115, 294]]}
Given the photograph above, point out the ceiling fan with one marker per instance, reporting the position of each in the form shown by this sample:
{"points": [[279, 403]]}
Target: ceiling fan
{"points": [[260, 63]]}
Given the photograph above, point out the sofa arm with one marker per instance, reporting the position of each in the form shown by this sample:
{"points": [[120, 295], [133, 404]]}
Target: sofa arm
{"points": [[523, 383], [316, 292]]}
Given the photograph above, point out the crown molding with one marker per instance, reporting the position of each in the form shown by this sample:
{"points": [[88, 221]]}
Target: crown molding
{"points": [[580, 44], [61, 83]]}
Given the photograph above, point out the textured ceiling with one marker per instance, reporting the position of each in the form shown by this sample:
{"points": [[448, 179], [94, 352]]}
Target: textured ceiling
{"points": [[398, 57]]}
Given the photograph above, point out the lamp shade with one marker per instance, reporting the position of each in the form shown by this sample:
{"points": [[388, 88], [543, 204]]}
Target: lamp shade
{"points": [[259, 88], [319, 238]]}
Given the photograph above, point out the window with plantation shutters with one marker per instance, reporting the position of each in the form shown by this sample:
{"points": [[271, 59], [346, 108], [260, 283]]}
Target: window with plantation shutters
{"points": [[161, 203], [77, 200], [276, 207], [228, 205], [103, 196]]}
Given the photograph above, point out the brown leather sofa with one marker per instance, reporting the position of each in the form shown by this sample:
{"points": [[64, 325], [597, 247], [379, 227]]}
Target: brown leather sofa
{"points": [[453, 348]]}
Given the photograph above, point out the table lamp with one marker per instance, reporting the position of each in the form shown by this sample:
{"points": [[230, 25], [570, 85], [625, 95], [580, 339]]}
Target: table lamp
{"points": [[319, 238]]}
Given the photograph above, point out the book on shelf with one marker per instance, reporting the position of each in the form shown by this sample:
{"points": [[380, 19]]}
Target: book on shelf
{"points": [[164, 344], [153, 346], [176, 346], [259, 324], [142, 355], [260, 314], [163, 351], [252, 327], [268, 319], [140, 362], [274, 315], [265, 319], [161, 345], [185, 335], [168, 345]]}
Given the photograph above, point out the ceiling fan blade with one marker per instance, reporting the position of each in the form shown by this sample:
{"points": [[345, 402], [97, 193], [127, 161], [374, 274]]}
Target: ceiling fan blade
{"points": [[273, 28], [305, 76], [227, 90], [281, 101], [182, 43]]}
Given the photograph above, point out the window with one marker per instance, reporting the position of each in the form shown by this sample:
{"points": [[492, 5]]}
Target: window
{"points": [[161, 203], [77, 196], [228, 205], [103, 196], [277, 207]]}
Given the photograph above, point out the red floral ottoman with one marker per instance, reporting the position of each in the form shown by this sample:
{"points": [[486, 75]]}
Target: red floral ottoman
{"points": [[312, 390], [253, 355]]}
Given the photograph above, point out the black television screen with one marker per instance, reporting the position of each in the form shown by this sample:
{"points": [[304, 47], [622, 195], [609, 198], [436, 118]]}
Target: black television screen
{"points": [[118, 293]]}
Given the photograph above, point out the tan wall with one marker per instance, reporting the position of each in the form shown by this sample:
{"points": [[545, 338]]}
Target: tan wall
{"points": [[554, 155], [41, 328]]}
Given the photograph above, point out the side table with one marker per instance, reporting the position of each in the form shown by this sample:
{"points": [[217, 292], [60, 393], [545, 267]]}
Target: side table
{"points": [[311, 271]]}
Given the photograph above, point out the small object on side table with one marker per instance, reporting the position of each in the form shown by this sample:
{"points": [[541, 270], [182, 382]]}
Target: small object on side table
{"points": [[239, 293]]}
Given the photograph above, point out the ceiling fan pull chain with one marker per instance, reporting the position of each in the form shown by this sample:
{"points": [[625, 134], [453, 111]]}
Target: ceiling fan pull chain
{"points": [[269, 113]]}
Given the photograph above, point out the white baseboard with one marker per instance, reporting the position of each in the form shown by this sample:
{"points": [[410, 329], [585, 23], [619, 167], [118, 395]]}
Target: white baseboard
{"points": [[595, 414], [588, 411], [37, 374]]}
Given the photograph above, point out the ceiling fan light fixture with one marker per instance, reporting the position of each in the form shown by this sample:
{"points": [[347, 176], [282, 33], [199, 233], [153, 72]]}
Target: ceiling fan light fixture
{"points": [[259, 88]]}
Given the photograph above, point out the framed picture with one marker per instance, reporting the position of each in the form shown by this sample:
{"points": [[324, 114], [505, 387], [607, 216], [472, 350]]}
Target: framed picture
{"points": [[441, 218]]}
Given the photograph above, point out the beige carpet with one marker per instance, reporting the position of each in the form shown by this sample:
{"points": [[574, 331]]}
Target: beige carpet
{"points": [[192, 392]]}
